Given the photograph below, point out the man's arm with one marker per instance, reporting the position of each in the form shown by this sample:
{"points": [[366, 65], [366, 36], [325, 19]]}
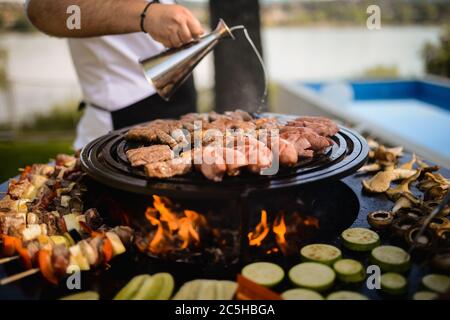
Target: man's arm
{"points": [[172, 25]]}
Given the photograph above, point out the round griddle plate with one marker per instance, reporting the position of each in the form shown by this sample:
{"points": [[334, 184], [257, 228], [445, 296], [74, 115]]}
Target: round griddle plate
{"points": [[104, 159]]}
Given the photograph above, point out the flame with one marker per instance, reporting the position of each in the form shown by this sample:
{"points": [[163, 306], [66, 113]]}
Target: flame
{"points": [[279, 228], [261, 230], [172, 227]]}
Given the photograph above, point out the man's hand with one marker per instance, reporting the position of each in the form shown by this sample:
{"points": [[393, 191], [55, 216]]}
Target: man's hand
{"points": [[172, 25]]}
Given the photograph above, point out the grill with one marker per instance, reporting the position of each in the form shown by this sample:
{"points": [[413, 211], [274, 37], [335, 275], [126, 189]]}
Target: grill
{"points": [[104, 159]]}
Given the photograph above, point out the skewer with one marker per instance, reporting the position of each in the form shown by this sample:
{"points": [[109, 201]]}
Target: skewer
{"points": [[8, 259], [433, 214], [18, 276]]}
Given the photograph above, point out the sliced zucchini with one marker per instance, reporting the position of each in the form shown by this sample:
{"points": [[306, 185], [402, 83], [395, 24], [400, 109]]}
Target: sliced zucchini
{"points": [[346, 295], [349, 270], [301, 294], [157, 287], [393, 283], [202, 289], [425, 295], [131, 288], [436, 282], [312, 275], [117, 246], [226, 289], [360, 239], [391, 259], [322, 253], [87, 295], [190, 290], [264, 273]]}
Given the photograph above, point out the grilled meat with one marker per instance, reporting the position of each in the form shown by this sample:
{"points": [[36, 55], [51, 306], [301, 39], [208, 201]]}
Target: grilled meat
{"points": [[322, 126], [146, 155], [212, 164], [318, 143], [170, 168]]}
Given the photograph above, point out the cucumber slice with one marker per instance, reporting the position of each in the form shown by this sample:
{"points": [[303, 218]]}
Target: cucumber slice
{"points": [[393, 283], [349, 270], [346, 295], [436, 282], [87, 295], [360, 239], [312, 275], [391, 259], [264, 273], [425, 295], [322, 253], [157, 287], [131, 288], [301, 294]]}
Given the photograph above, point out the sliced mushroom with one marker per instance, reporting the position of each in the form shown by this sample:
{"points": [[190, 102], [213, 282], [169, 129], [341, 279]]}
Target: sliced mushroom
{"points": [[403, 187], [372, 167], [380, 182], [400, 174], [435, 193], [438, 223], [402, 225], [387, 154], [430, 205], [373, 144], [425, 241], [410, 164], [380, 220], [441, 260], [414, 213], [406, 200]]}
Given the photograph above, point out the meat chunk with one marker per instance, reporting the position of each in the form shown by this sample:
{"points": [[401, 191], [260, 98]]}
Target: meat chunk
{"points": [[12, 220], [322, 126], [318, 143], [146, 155], [239, 114], [154, 131], [234, 160], [287, 153], [258, 155], [210, 162], [170, 168]]}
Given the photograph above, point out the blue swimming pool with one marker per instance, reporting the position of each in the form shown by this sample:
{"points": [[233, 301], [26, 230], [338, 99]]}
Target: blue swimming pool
{"points": [[415, 113]]}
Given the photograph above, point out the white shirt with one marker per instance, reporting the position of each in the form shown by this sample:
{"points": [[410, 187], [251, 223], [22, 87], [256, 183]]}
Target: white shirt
{"points": [[110, 77]]}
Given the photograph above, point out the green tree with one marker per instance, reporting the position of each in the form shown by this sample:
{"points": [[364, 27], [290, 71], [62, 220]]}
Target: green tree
{"points": [[437, 57]]}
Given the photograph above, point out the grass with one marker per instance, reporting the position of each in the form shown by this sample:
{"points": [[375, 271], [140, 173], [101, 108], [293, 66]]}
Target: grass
{"points": [[18, 154]]}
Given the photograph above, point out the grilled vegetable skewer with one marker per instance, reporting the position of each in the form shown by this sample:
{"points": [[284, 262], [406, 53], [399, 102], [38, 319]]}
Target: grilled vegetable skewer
{"points": [[57, 260]]}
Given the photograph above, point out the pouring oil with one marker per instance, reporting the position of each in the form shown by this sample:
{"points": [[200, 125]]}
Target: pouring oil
{"points": [[258, 55]]}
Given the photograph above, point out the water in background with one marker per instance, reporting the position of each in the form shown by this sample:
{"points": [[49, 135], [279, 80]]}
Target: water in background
{"points": [[42, 73]]}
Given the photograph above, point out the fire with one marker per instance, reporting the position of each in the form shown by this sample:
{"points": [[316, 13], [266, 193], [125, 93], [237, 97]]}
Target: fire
{"points": [[280, 230], [174, 230], [261, 231]]}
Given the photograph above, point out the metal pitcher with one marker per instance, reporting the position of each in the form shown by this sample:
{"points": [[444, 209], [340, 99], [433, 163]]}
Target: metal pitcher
{"points": [[169, 69]]}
